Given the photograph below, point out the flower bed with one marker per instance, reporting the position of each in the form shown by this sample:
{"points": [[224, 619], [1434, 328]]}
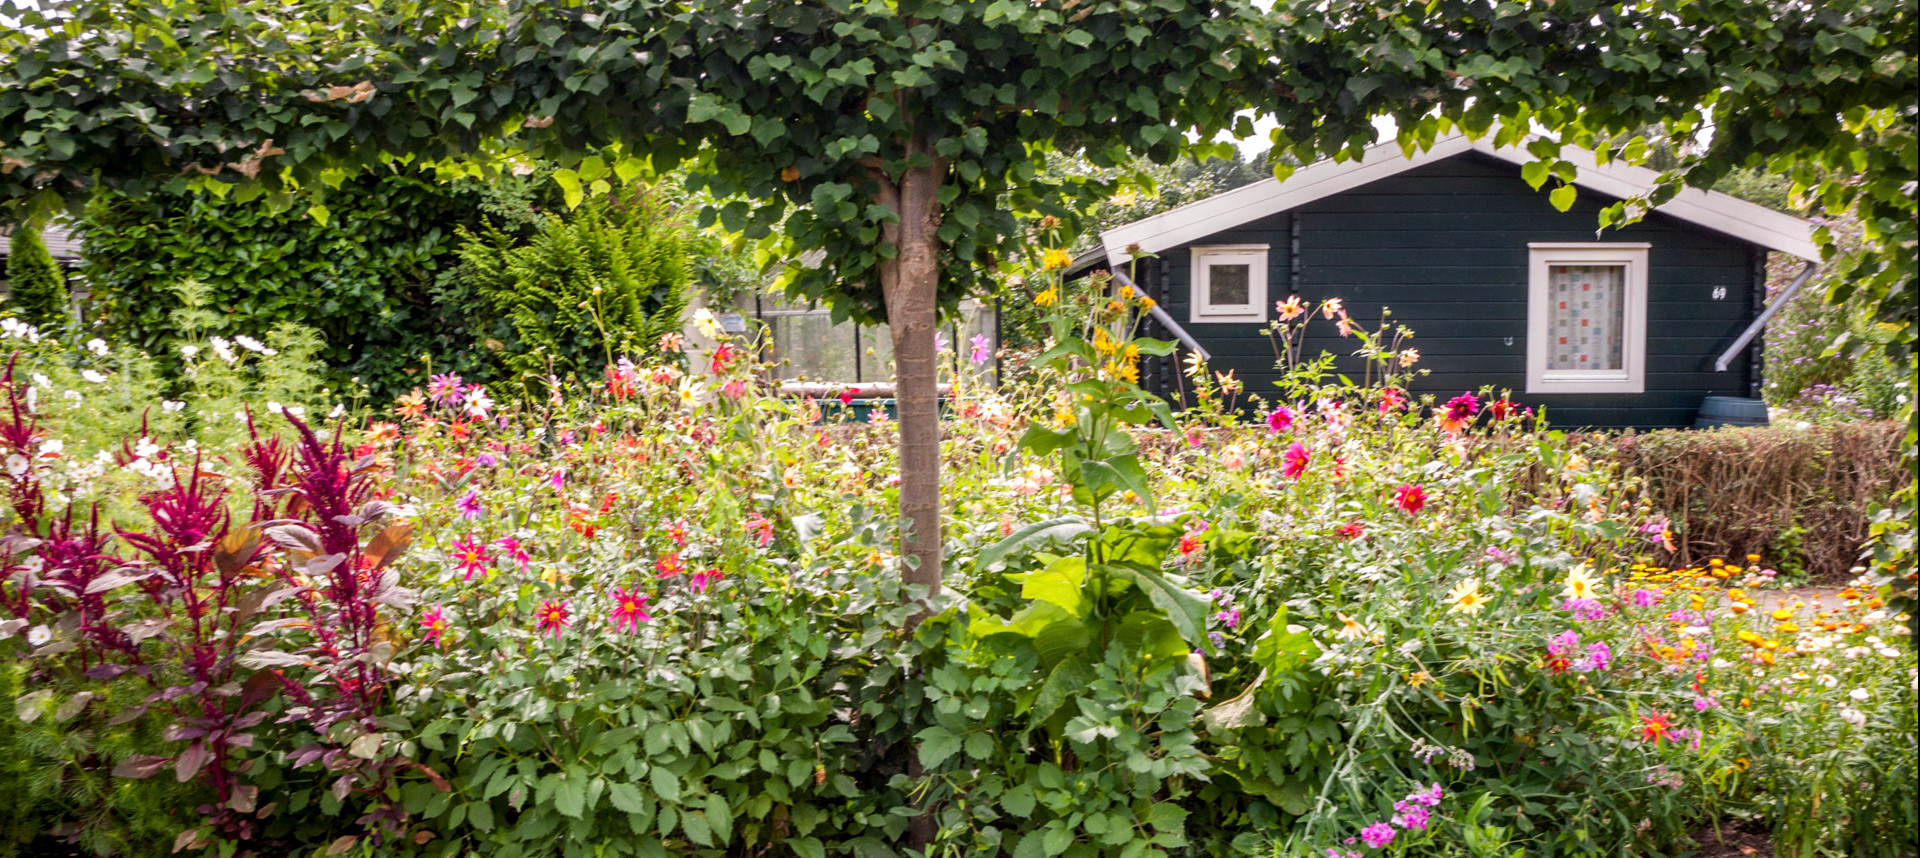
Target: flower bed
{"points": [[663, 617]]}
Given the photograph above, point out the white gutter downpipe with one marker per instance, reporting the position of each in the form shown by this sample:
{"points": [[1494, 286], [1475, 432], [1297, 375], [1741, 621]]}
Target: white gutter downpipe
{"points": [[1753, 330], [1159, 315]]}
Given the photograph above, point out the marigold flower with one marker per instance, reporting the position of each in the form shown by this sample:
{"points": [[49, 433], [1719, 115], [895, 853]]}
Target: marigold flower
{"points": [[553, 617]]}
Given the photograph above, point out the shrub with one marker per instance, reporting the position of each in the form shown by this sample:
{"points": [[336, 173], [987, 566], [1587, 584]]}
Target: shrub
{"points": [[36, 288], [1798, 496], [363, 277], [609, 279]]}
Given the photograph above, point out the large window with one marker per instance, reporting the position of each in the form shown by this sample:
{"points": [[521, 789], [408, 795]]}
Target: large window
{"points": [[805, 344], [1587, 318], [1229, 284]]}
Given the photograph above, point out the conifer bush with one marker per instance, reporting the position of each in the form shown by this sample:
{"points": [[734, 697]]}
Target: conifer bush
{"points": [[36, 288]]}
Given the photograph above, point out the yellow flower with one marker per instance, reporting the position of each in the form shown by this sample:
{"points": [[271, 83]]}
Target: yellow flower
{"points": [[1103, 343], [1465, 597], [1056, 258], [1126, 293], [1782, 614], [1047, 298], [1350, 628], [1580, 583], [1129, 371], [1148, 303]]}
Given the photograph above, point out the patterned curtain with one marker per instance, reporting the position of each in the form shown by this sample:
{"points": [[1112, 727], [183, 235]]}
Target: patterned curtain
{"points": [[1587, 325]]}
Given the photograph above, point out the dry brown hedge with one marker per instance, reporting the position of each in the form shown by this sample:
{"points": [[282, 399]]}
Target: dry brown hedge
{"points": [[1797, 497]]}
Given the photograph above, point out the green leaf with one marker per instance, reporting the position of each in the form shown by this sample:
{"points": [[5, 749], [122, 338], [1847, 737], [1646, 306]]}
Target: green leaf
{"points": [[1562, 197], [1060, 583], [627, 798], [570, 797], [666, 784], [1186, 609], [569, 183], [1063, 529], [697, 828], [937, 744], [719, 818]]}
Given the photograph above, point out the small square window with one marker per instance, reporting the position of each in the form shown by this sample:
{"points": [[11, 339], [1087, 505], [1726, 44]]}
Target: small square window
{"points": [[1587, 318], [1230, 284]]}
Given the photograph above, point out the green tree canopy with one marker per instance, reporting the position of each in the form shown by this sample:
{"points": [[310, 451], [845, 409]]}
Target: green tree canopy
{"points": [[886, 132]]}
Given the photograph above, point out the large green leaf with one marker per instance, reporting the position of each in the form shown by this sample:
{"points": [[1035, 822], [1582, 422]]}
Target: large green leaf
{"points": [[1185, 609], [1064, 528], [1063, 583]]}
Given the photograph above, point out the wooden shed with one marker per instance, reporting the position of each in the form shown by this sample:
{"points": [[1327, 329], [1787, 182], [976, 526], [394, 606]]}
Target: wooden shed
{"points": [[1635, 327]]}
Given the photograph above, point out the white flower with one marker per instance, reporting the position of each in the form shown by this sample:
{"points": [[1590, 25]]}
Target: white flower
{"points": [[478, 402], [16, 464], [38, 635], [250, 344], [97, 346], [172, 405], [52, 447], [275, 407], [1853, 716], [1860, 694], [93, 376], [145, 448], [189, 350], [222, 348], [1828, 681], [709, 326], [41, 380]]}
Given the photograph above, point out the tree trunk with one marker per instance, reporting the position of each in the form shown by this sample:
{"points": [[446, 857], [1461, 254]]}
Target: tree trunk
{"points": [[910, 282]]}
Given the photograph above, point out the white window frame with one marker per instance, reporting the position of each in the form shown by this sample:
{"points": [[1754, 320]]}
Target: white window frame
{"points": [[1202, 310], [1631, 377]]}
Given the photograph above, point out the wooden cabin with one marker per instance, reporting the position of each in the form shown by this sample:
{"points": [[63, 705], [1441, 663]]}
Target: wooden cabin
{"points": [[1635, 327]]}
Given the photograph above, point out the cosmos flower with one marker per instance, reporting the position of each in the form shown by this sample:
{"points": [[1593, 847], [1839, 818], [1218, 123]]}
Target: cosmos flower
{"points": [[982, 349], [669, 566], [469, 505], [1280, 419], [446, 389], [514, 551]]}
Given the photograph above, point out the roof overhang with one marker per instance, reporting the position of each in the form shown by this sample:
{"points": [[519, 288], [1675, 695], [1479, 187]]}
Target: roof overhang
{"points": [[1710, 209]]}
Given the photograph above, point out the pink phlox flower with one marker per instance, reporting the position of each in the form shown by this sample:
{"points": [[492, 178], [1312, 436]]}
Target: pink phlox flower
{"points": [[1429, 797], [1599, 657], [1563, 642], [1584, 610], [1644, 598], [1411, 816], [1377, 835]]}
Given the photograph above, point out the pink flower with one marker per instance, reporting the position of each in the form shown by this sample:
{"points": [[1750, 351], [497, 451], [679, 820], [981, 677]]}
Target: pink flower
{"points": [[1229, 617], [469, 504], [447, 389], [1377, 835], [435, 623], [470, 555], [982, 348], [1644, 598], [1294, 461], [557, 479], [1411, 816], [1280, 419], [1459, 412], [1392, 399], [553, 616], [669, 566], [1410, 497], [629, 609], [1599, 657], [1429, 797], [702, 580], [514, 551], [734, 389], [1563, 642], [760, 528]]}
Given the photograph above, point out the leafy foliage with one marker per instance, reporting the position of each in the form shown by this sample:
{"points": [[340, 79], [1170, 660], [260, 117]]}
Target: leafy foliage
{"points": [[608, 280], [362, 272], [36, 288]]}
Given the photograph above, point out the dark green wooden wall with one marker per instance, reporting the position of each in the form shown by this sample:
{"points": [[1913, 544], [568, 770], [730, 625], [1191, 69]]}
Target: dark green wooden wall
{"points": [[1445, 247]]}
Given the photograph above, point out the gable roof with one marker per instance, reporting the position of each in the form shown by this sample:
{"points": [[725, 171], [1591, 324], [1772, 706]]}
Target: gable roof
{"points": [[1716, 211]]}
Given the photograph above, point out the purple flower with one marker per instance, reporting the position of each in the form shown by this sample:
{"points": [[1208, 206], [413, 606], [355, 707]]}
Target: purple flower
{"points": [[1429, 797], [1229, 617], [1702, 704], [558, 479], [1563, 642], [485, 460], [1219, 640], [1584, 610], [469, 504], [1411, 817], [982, 348], [1499, 555], [447, 389], [1599, 657], [1377, 835], [1644, 598]]}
